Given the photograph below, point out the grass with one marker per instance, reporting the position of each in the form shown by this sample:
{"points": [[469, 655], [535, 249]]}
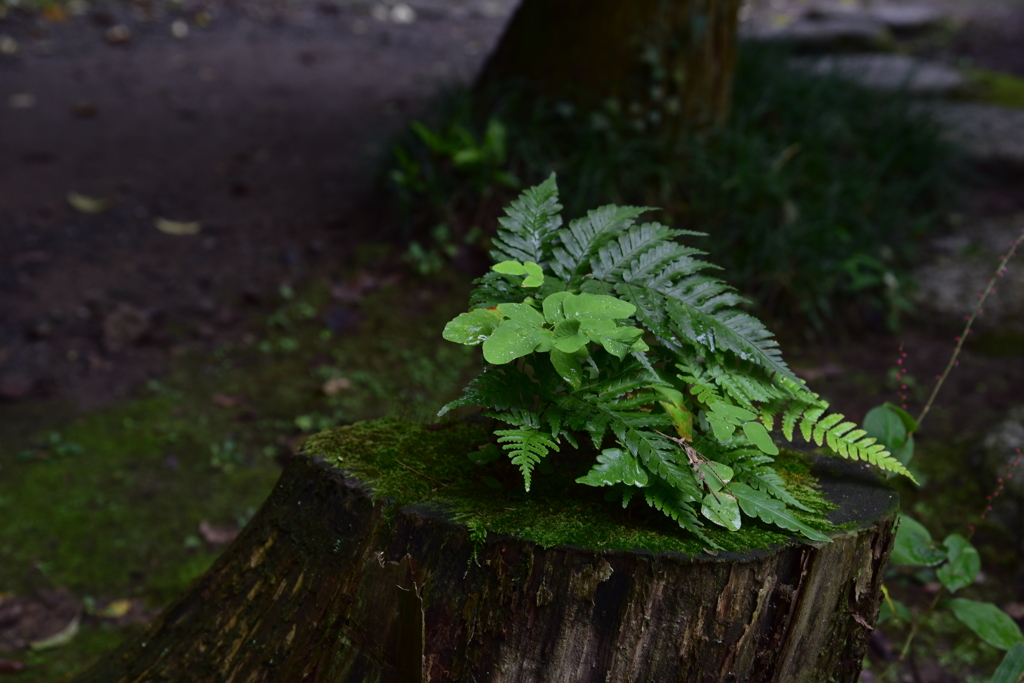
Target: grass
{"points": [[814, 194]]}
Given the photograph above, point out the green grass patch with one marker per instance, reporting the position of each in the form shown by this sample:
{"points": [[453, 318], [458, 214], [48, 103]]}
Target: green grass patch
{"points": [[997, 87]]}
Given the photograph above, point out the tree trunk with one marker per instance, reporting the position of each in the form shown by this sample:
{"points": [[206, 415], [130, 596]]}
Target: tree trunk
{"points": [[329, 584], [670, 61]]}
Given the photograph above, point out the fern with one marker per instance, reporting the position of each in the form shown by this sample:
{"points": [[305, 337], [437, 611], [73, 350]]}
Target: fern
{"points": [[529, 225], [526, 445], [616, 333]]}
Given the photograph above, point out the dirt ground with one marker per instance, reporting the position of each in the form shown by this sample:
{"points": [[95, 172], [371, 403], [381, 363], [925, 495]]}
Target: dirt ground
{"points": [[266, 124], [267, 127]]}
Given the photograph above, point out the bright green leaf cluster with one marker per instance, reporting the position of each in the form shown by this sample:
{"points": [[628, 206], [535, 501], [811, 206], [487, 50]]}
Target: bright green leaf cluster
{"points": [[611, 330]]}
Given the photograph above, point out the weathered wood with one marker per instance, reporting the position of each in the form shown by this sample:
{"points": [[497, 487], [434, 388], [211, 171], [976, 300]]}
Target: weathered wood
{"points": [[328, 584], [672, 59]]}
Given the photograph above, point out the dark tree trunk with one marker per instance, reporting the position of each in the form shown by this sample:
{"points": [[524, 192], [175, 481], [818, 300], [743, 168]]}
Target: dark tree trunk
{"points": [[327, 584], [672, 60]]}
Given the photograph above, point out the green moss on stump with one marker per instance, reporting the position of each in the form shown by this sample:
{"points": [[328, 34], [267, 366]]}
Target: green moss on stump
{"points": [[408, 463]]}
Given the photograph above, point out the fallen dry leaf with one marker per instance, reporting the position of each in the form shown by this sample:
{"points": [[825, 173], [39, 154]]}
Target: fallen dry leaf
{"points": [[1015, 610], [124, 326], [118, 34], [225, 400], [115, 609], [336, 384], [9, 666], [84, 204], [62, 637], [217, 535], [55, 13], [169, 227]]}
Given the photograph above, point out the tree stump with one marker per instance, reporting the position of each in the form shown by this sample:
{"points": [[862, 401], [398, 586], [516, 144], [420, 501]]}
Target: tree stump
{"points": [[669, 59], [341, 579]]}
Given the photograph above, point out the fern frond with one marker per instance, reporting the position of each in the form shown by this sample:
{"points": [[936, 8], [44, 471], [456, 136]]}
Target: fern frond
{"points": [[841, 437], [493, 289], [759, 504], [768, 480], [614, 258], [586, 236], [500, 387], [526, 445], [529, 225], [666, 500]]}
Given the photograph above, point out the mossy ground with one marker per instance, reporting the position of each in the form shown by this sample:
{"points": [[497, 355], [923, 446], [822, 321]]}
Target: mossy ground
{"points": [[411, 463], [108, 504]]}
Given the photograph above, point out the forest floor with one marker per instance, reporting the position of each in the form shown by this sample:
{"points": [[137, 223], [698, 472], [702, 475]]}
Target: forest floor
{"points": [[240, 288]]}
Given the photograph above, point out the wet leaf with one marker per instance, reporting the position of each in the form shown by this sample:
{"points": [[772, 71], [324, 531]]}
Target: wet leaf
{"points": [[169, 227], [722, 509]]}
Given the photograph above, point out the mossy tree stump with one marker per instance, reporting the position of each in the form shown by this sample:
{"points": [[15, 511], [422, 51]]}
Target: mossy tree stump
{"points": [[333, 582]]}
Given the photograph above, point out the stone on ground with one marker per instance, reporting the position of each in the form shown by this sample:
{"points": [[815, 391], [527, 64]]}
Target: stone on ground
{"points": [[949, 286], [990, 134], [892, 73]]}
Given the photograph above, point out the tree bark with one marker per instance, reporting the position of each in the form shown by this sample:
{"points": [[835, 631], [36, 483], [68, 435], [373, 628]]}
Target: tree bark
{"points": [[671, 60], [328, 584]]}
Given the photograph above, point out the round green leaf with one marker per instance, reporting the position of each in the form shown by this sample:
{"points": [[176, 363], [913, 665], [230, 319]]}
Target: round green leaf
{"points": [[472, 328], [914, 545], [758, 435], [511, 340], [963, 565], [722, 509], [990, 623]]}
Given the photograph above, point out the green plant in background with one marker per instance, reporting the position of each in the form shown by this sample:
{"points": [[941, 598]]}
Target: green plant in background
{"points": [[813, 194], [956, 561], [611, 330]]}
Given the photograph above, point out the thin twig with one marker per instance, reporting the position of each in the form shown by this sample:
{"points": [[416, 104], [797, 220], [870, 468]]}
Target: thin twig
{"points": [[967, 328], [421, 474]]}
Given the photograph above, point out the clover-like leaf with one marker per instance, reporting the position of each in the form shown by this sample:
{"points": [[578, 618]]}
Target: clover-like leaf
{"points": [[963, 565], [472, 328], [534, 274], [567, 336]]}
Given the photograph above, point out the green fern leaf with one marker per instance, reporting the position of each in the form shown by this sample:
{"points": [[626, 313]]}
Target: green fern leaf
{"points": [[615, 466], [768, 480], [615, 257], [586, 236], [526, 446], [667, 501], [759, 504], [527, 230]]}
